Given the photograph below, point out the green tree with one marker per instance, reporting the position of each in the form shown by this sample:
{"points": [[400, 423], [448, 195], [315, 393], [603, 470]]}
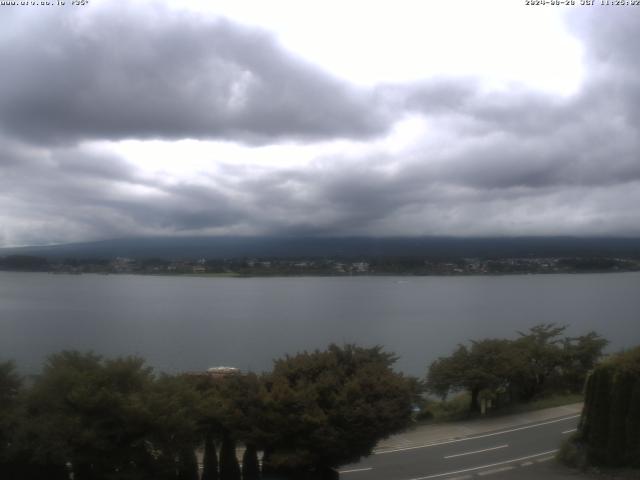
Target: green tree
{"points": [[537, 361], [172, 422], [250, 465], [540, 355], [487, 365], [610, 423], [331, 407], [447, 374], [581, 355], [187, 465], [108, 419], [91, 413], [10, 384], [229, 467], [230, 409], [210, 459], [240, 405]]}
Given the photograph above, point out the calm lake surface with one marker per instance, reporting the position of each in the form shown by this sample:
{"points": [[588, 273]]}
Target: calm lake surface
{"points": [[187, 323]]}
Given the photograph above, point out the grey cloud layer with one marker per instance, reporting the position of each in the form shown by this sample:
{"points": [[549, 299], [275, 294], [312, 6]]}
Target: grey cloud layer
{"points": [[127, 73], [514, 162], [521, 138], [63, 202]]}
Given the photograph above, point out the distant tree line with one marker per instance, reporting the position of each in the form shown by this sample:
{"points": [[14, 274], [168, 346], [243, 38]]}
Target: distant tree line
{"points": [[90, 418], [506, 371], [339, 265], [24, 263]]}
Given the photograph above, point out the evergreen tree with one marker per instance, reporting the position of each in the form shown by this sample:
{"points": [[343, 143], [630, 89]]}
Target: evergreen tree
{"points": [[250, 465], [229, 467], [599, 428], [210, 459], [10, 384], [621, 393], [267, 464], [610, 423], [187, 465], [632, 449]]}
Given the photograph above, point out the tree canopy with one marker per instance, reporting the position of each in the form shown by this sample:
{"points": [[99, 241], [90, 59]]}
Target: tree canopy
{"points": [[331, 407], [518, 369], [100, 418], [90, 418]]}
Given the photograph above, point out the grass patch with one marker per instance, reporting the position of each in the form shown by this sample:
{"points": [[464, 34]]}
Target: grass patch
{"points": [[550, 401], [572, 453], [457, 407], [454, 408]]}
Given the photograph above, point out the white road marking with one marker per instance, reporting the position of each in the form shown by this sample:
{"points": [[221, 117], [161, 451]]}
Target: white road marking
{"points": [[569, 431], [526, 464], [545, 459], [495, 470], [485, 466], [476, 451], [426, 445], [356, 470]]}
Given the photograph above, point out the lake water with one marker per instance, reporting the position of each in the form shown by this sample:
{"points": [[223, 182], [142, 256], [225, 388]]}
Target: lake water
{"points": [[189, 323]]}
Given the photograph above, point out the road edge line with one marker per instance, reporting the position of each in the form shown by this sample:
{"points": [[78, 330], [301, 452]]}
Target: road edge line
{"points": [[465, 439], [485, 466]]}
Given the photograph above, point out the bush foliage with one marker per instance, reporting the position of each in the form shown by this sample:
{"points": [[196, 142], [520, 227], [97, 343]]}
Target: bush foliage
{"points": [[90, 418]]}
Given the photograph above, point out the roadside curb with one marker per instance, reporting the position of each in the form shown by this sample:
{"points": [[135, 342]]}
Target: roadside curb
{"points": [[425, 435]]}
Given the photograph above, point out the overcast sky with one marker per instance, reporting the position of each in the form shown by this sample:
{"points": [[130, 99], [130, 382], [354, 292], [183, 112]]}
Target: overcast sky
{"points": [[318, 118]]}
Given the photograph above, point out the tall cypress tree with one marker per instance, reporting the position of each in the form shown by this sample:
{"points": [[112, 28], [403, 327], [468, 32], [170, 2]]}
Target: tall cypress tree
{"points": [[229, 467], [632, 450], [210, 460], [82, 471], [250, 466], [599, 430], [587, 410], [610, 426], [620, 399], [267, 467], [188, 465]]}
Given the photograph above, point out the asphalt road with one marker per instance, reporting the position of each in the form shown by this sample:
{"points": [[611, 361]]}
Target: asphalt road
{"points": [[478, 455]]}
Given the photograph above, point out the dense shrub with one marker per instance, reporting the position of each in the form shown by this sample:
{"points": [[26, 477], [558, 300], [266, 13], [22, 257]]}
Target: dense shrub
{"points": [[610, 425]]}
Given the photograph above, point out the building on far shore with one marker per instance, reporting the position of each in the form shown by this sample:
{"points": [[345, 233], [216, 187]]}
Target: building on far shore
{"points": [[217, 372]]}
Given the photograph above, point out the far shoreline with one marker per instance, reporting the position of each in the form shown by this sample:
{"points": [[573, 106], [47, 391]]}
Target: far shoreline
{"points": [[326, 275]]}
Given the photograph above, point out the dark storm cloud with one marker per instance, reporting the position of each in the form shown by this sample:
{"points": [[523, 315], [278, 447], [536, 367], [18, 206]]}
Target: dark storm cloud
{"points": [[119, 72]]}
